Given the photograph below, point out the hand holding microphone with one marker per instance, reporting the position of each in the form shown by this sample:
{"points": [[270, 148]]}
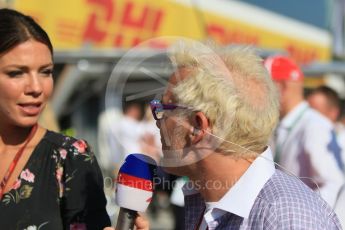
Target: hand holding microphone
{"points": [[134, 189]]}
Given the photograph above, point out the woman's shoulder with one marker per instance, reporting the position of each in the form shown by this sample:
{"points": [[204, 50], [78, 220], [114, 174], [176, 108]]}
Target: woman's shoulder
{"points": [[59, 139], [69, 143]]}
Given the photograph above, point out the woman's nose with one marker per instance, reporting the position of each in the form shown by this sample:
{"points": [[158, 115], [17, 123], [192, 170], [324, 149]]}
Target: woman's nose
{"points": [[34, 85]]}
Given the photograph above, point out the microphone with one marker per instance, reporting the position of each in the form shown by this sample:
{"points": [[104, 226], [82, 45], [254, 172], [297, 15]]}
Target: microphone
{"points": [[134, 188]]}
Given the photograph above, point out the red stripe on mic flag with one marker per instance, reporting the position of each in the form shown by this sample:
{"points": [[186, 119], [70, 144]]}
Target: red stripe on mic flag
{"points": [[134, 182]]}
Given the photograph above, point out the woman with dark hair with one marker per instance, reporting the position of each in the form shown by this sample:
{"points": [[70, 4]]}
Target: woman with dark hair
{"points": [[47, 180]]}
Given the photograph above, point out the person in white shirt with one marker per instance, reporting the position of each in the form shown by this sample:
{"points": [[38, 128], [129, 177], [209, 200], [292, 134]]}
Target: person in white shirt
{"points": [[120, 135], [326, 100], [304, 143]]}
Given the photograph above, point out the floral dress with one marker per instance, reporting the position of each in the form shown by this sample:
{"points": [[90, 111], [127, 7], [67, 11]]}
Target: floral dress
{"points": [[60, 187]]}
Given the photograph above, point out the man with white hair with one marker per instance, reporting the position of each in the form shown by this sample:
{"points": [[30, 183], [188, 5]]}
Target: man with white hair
{"points": [[215, 119]]}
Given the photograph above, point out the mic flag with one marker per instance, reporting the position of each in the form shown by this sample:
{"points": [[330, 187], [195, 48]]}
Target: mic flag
{"points": [[134, 188]]}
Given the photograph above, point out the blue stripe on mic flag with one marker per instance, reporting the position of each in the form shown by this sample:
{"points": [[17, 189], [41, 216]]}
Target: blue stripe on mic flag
{"points": [[139, 165]]}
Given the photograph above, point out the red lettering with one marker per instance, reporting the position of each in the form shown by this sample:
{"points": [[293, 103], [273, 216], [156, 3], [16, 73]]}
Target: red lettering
{"points": [[224, 36], [129, 19], [136, 41], [118, 40], [158, 15], [148, 19], [216, 32], [93, 31], [302, 55]]}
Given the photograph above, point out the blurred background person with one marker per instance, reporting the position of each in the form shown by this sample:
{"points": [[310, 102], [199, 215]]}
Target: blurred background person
{"points": [[107, 144], [120, 133], [304, 142], [326, 100]]}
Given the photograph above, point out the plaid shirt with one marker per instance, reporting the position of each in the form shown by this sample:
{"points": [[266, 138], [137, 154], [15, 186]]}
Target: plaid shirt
{"points": [[283, 203]]}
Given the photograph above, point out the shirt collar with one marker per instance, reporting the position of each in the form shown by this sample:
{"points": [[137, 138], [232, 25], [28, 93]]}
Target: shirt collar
{"points": [[250, 184], [290, 118]]}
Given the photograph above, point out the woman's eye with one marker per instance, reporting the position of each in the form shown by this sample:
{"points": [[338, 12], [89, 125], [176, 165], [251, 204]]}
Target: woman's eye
{"points": [[47, 72], [15, 73]]}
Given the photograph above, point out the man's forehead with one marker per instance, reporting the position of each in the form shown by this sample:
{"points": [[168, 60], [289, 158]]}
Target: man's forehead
{"points": [[168, 95], [179, 75]]}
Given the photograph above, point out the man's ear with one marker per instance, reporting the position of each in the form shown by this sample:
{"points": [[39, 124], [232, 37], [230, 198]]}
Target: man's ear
{"points": [[200, 124]]}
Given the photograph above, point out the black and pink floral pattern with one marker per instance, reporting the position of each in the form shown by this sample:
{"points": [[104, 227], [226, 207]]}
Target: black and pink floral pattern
{"points": [[60, 187]]}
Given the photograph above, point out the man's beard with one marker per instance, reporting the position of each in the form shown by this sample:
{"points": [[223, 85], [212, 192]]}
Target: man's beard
{"points": [[181, 154]]}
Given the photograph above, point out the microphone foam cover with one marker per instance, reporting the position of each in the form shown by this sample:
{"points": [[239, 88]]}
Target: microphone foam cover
{"points": [[134, 187]]}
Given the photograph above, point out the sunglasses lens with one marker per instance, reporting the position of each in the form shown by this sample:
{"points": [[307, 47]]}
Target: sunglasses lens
{"points": [[157, 108]]}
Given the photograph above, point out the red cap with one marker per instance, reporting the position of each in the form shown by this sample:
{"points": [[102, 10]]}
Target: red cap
{"points": [[283, 68]]}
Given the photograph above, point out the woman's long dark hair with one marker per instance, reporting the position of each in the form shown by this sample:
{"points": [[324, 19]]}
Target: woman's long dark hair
{"points": [[16, 28]]}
